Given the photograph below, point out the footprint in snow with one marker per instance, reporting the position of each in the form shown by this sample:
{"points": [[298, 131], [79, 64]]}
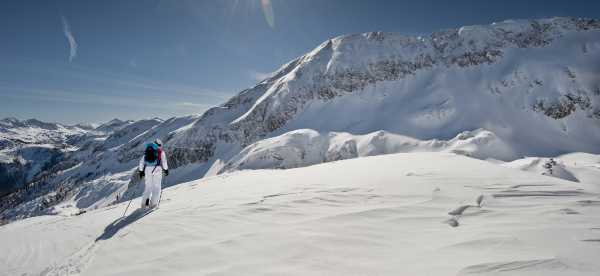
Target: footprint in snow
{"points": [[569, 211], [452, 222], [479, 200], [459, 211], [456, 213], [75, 264]]}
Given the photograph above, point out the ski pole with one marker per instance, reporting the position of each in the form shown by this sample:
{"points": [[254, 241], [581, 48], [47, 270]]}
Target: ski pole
{"points": [[160, 197], [127, 206]]}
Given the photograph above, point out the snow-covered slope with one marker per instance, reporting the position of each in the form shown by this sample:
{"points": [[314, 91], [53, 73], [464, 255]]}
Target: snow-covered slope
{"points": [[382, 215], [578, 167], [127, 133], [306, 147], [531, 86]]}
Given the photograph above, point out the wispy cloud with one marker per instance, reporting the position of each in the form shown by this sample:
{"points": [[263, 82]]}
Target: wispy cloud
{"points": [[267, 9], [69, 35]]}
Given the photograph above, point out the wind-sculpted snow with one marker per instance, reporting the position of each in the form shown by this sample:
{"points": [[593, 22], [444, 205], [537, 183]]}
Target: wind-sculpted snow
{"points": [[577, 167], [306, 147]]}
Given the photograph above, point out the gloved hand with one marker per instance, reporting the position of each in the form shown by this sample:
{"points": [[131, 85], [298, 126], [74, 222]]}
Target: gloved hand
{"points": [[166, 172], [142, 174]]}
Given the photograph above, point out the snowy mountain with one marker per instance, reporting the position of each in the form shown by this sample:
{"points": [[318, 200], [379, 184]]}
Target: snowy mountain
{"points": [[33, 131], [30, 147], [502, 91], [112, 125], [531, 83]]}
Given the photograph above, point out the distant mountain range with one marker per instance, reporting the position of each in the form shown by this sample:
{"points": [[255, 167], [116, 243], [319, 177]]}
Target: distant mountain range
{"points": [[29, 147]]}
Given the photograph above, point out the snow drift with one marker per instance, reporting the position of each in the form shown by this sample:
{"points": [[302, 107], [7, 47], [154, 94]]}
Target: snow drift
{"points": [[306, 147], [577, 167]]}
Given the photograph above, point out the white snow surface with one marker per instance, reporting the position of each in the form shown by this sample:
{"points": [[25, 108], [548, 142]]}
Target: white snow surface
{"points": [[306, 147], [578, 167], [398, 214]]}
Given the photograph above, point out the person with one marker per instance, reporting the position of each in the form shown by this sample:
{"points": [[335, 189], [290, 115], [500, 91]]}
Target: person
{"points": [[152, 166]]}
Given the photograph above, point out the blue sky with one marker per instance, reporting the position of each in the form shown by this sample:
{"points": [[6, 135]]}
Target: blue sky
{"points": [[91, 61]]}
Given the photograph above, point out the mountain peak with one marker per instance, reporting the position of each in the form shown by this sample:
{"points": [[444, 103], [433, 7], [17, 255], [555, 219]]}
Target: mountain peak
{"points": [[10, 121]]}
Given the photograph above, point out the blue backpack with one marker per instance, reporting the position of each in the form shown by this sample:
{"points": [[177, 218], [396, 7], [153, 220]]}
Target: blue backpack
{"points": [[152, 154]]}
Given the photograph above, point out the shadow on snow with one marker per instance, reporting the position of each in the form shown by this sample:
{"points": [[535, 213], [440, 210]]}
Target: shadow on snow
{"points": [[121, 223]]}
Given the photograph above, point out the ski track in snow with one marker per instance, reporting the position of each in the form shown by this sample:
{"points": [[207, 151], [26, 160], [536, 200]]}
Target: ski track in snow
{"points": [[75, 263], [355, 217]]}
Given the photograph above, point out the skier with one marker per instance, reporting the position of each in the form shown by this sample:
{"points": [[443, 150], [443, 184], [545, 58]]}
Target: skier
{"points": [[152, 166]]}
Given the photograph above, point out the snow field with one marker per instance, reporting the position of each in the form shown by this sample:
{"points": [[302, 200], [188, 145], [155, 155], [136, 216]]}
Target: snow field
{"points": [[381, 215]]}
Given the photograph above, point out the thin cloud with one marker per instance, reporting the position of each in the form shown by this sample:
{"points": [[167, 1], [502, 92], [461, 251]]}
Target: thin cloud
{"points": [[69, 35], [267, 9]]}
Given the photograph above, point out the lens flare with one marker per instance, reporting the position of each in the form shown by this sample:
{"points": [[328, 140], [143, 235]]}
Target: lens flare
{"points": [[267, 9]]}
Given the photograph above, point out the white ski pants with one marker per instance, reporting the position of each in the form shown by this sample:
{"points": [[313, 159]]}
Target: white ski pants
{"points": [[153, 176]]}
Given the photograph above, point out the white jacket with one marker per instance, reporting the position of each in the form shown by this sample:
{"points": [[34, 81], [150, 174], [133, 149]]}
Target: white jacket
{"points": [[163, 162]]}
